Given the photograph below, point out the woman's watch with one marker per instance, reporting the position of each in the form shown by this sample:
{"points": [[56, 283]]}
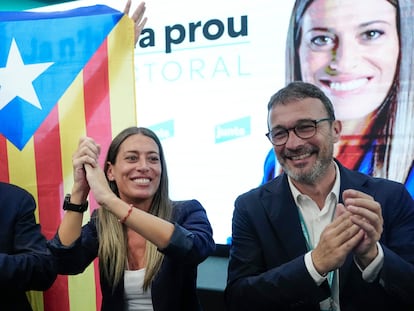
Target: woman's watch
{"points": [[68, 206]]}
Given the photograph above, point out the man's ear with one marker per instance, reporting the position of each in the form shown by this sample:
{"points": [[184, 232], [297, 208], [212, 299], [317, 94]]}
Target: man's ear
{"points": [[337, 129]]}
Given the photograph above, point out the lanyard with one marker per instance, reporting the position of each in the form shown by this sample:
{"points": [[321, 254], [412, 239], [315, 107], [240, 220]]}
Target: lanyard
{"points": [[309, 245]]}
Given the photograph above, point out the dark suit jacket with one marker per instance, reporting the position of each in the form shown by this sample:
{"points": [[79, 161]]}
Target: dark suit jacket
{"points": [[25, 261], [174, 288], [267, 269]]}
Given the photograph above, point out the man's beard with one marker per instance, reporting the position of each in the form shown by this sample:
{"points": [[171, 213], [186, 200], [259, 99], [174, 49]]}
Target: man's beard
{"points": [[318, 170], [313, 175]]}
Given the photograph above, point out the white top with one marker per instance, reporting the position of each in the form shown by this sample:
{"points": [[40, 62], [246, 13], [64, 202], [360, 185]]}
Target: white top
{"points": [[135, 297], [316, 220]]}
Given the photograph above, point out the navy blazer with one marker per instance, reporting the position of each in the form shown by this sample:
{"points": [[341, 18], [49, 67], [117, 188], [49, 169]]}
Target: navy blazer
{"points": [[267, 269], [25, 261], [174, 287]]}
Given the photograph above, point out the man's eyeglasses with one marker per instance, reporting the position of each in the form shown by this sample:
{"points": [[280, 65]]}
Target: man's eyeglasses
{"points": [[304, 129]]}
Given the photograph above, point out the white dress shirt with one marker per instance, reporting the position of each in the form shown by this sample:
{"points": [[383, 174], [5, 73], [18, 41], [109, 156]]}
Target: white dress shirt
{"points": [[316, 220]]}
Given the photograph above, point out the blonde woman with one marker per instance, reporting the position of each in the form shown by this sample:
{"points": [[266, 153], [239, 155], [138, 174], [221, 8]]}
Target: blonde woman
{"points": [[148, 246]]}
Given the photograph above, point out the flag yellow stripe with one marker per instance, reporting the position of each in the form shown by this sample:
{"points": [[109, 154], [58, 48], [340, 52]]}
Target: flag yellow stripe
{"points": [[72, 127], [36, 300], [22, 168], [122, 75]]}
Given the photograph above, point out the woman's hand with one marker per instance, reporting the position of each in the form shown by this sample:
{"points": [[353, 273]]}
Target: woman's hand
{"points": [[86, 154], [99, 185]]}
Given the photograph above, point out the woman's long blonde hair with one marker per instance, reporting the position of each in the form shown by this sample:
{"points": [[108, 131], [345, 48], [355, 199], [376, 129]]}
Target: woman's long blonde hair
{"points": [[112, 237]]}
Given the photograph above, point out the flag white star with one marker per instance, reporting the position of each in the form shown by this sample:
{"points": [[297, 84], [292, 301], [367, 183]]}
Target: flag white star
{"points": [[16, 78]]}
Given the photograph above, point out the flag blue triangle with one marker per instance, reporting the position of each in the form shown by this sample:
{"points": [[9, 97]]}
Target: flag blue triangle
{"points": [[64, 41]]}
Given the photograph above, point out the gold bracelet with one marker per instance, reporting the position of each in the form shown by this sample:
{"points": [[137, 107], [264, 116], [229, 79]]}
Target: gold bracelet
{"points": [[127, 215]]}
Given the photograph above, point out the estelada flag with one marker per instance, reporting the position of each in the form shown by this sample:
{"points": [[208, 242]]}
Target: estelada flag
{"points": [[63, 75]]}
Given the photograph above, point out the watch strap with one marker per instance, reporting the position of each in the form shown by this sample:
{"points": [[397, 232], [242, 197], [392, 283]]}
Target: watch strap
{"points": [[68, 206]]}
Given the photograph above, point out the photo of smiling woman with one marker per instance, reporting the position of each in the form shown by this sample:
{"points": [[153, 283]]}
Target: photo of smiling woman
{"points": [[360, 54]]}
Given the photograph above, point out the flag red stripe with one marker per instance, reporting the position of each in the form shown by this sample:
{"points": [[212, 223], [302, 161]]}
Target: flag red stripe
{"points": [[97, 110], [49, 173], [4, 167], [97, 104], [50, 196]]}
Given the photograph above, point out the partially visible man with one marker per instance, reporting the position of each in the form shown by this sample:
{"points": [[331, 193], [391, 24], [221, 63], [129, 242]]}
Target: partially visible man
{"points": [[319, 236], [25, 261]]}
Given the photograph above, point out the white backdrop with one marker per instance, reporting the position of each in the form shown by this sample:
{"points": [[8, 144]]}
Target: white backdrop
{"points": [[206, 94]]}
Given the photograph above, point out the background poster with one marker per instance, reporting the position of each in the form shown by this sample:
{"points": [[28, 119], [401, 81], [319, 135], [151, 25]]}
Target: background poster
{"points": [[204, 86]]}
